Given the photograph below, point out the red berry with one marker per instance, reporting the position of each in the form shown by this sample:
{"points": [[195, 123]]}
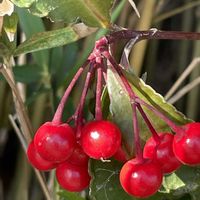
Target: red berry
{"points": [[162, 153], [37, 161], [186, 144], [78, 156], [100, 139], [55, 142], [120, 155], [141, 179], [71, 177]]}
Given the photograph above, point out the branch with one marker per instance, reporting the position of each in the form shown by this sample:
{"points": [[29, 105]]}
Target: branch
{"points": [[152, 34]]}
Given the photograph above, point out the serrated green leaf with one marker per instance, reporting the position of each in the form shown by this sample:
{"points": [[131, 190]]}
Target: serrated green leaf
{"points": [[121, 111], [172, 182], [49, 39], [92, 12], [183, 181]]}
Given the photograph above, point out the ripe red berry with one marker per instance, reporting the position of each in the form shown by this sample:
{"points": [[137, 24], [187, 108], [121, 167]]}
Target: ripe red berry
{"points": [[162, 153], [37, 161], [120, 155], [78, 156], [55, 142], [71, 177], [186, 144], [141, 179], [100, 139]]}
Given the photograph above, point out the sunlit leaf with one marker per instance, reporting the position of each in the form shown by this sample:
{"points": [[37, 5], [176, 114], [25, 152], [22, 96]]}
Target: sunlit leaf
{"points": [[91, 12], [50, 39], [121, 111]]}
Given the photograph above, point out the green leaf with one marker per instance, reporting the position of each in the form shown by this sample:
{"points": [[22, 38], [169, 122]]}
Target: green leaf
{"points": [[26, 21], [105, 103], [6, 47], [183, 181], [92, 12], [27, 73], [121, 111], [10, 23], [105, 181], [50, 39], [65, 195]]}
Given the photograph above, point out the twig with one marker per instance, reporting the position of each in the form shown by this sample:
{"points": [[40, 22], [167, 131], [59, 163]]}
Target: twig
{"points": [[184, 90], [152, 34], [19, 103], [24, 122], [24, 145], [134, 7], [18, 132], [183, 76]]}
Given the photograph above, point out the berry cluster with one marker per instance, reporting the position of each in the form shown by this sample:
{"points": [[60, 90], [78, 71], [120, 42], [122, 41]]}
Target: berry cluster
{"points": [[67, 148]]}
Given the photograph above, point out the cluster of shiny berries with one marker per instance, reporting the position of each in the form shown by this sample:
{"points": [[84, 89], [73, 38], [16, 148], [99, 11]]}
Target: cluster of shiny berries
{"points": [[57, 145], [143, 177]]}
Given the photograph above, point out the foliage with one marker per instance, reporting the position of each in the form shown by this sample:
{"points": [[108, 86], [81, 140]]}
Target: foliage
{"points": [[46, 60]]}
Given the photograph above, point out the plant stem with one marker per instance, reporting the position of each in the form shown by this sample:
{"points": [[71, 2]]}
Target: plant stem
{"points": [[40, 178], [152, 34], [174, 127], [137, 141], [132, 96], [57, 119], [132, 99], [119, 71], [149, 124], [20, 108], [98, 110], [79, 119]]}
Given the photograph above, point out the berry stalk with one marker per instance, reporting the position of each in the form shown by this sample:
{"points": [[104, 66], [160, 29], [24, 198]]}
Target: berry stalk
{"points": [[98, 110], [138, 147], [57, 119], [137, 140], [79, 119], [149, 124], [174, 127]]}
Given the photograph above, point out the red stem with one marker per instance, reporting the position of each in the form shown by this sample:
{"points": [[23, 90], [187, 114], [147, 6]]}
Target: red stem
{"points": [[57, 119], [152, 34], [98, 110], [79, 119], [137, 140], [174, 127], [137, 143], [149, 124]]}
